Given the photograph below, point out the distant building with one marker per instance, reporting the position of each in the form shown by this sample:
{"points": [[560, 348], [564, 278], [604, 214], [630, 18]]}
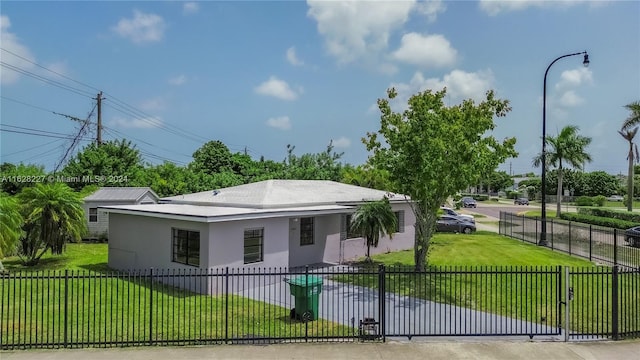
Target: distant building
{"points": [[98, 221]]}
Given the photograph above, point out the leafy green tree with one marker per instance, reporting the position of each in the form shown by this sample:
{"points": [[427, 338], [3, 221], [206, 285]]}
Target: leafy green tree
{"points": [[600, 183], [568, 147], [212, 157], [628, 132], [112, 158], [321, 166], [11, 222], [373, 220], [168, 179], [53, 216], [367, 176], [496, 181], [9, 174], [432, 151]]}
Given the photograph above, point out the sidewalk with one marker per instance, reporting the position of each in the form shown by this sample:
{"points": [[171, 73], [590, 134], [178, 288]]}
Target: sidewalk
{"points": [[405, 350]]}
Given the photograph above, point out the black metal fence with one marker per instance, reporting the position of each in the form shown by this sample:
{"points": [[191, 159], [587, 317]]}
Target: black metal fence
{"points": [[596, 243], [334, 303]]}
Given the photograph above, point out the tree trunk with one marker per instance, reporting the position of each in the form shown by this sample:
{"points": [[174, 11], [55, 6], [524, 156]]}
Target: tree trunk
{"points": [[559, 192], [423, 233], [630, 179]]}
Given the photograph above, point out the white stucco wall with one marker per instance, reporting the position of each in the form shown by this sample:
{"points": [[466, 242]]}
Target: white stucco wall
{"points": [[227, 243], [324, 227], [338, 251], [142, 242]]}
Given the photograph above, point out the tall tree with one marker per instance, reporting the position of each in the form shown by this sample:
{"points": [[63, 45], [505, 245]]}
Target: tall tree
{"points": [[628, 132], [118, 158], [432, 151], [11, 222], [53, 216], [373, 220], [569, 148], [211, 158], [10, 173]]}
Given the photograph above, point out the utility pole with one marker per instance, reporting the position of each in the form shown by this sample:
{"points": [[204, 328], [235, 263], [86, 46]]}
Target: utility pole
{"points": [[99, 130]]}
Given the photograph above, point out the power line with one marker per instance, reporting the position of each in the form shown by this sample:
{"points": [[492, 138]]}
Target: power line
{"points": [[45, 80], [47, 69], [31, 148], [26, 104], [67, 137]]}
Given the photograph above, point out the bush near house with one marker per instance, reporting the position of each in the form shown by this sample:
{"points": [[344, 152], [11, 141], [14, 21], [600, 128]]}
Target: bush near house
{"points": [[477, 197]]}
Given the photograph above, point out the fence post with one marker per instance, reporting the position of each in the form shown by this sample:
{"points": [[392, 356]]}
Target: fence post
{"points": [[66, 304], [381, 300], [567, 301], [614, 302], [151, 306], [590, 241], [569, 237], [615, 247], [226, 304], [552, 234]]}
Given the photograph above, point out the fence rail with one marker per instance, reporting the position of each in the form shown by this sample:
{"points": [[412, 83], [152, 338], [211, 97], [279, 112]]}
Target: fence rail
{"points": [[603, 245], [335, 303]]}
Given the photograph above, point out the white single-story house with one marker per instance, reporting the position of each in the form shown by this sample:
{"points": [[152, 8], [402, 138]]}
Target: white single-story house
{"points": [[272, 223], [98, 221]]}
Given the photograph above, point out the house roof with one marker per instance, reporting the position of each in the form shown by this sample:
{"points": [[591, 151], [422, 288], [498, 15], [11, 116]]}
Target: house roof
{"points": [[121, 194], [201, 213], [283, 194]]}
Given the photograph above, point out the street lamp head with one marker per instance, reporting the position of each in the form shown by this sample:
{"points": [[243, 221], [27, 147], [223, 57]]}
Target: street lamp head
{"points": [[586, 59]]}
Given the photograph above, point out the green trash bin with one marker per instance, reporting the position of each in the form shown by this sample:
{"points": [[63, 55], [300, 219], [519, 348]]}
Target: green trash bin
{"points": [[306, 290]]}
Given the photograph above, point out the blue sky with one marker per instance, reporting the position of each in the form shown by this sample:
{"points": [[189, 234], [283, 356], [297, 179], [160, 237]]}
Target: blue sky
{"points": [[261, 75]]}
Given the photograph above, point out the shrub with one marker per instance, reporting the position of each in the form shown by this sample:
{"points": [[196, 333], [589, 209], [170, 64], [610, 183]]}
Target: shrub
{"points": [[599, 200], [600, 221], [610, 213], [584, 201]]}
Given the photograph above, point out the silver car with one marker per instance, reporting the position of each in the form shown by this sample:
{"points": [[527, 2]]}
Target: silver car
{"points": [[454, 224]]}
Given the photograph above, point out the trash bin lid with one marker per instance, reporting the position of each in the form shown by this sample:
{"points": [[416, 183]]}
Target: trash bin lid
{"points": [[303, 280]]}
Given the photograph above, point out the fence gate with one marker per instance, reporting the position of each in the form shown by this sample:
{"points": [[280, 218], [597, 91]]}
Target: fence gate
{"points": [[604, 303]]}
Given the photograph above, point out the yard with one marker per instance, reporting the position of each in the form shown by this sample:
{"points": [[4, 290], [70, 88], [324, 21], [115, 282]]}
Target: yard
{"points": [[483, 272]]}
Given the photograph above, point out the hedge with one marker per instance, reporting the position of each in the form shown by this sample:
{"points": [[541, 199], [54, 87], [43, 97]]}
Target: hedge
{"points": [[610, 213], [600, 221], [478, 197]]}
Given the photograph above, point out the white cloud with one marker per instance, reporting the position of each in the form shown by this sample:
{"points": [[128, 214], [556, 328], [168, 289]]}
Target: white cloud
{"points": [[494, 7], [427, 51], [153, 105], [138, 123], [460, 85], [292, 58], [141, 28], [281, 122], [341, 142], [354, 29], [277, 88], [431, 9], [190, 8], [178, 80], [570, 99], [566, 95], [574, 78], [11, 43]]}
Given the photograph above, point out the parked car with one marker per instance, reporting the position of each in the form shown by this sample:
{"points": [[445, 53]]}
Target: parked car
{"points": [[615, 198], [468, 202], [632, 236], [521, 201], [454, 224], [450, 211]]}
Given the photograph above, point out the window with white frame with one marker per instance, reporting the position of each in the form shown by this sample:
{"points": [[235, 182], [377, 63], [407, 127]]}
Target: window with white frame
{"points": [[306, 231], [185, 247], [253, 245]]}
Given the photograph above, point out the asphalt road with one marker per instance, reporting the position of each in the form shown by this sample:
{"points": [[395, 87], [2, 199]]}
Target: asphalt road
{"points": [[493, 210]]}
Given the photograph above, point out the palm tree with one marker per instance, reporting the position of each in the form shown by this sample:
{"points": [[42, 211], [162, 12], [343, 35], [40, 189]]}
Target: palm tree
{"points": [[629, 134], [374, 219], [634, 118], [53, 215], [10, 226], [566, 148]]}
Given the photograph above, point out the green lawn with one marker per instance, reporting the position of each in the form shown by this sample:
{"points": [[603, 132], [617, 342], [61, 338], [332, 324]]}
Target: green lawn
{"points": [[482, 249], [129, 309]]}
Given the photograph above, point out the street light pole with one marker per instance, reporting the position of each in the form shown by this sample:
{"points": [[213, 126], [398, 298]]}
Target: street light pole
{"points": [[543, 232]]}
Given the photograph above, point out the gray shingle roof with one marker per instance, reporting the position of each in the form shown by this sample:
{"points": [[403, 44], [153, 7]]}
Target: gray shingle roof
{"points": [[284, 193], [120, 194]]}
